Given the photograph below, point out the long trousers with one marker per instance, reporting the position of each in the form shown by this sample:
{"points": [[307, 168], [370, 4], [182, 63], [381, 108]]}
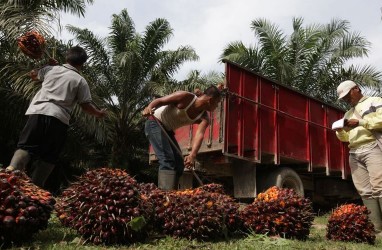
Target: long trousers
{"points": [[366, 170]]}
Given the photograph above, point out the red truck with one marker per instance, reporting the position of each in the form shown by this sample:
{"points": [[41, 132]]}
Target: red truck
{"points": [[267, 134]]}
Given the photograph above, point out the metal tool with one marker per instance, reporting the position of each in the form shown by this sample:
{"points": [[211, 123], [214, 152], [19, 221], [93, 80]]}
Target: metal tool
{"points": [[175, 146]]}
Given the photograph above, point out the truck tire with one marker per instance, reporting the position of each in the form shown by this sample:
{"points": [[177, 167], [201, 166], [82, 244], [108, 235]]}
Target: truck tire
{"points": [[284, 177]]}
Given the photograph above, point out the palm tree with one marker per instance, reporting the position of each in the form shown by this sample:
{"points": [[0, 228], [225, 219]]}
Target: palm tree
{"points": [[126, 70], [312, 59]]}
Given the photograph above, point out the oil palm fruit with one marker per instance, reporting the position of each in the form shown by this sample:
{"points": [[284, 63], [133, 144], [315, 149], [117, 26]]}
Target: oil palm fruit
{"points": [[24, 207], [350, 222], [213, 188], [279, 212], [104, 206], [193, 213]]}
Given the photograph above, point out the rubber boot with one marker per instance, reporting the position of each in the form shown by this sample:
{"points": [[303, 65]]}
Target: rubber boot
{"points": [[373, 205], [19, 160], [40, 172], [167, 180], [379, 235]]}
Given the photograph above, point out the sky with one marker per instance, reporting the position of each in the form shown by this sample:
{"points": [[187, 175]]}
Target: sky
{"points": [[209, 26]]}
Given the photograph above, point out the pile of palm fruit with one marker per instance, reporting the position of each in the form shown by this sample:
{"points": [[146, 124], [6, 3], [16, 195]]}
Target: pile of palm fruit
{"points": [[105, 207], [24, 207], [279, 212], [350, 222], [193, 214]]}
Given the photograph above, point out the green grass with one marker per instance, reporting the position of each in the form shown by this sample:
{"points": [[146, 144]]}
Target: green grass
{"points": [[58, 237]]}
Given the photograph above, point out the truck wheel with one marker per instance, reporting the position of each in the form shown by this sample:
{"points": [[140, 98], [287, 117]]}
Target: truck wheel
{"points": [[284, 177]]}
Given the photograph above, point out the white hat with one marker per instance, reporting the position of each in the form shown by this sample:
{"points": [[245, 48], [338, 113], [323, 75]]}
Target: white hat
{"points": [[344, 88]]}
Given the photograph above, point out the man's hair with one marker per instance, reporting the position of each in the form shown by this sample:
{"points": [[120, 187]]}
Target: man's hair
{"points": [[213, 92], [76, 56]]}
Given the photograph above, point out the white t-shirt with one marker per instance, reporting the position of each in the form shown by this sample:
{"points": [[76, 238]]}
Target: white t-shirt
{"points": [[62, 87]]}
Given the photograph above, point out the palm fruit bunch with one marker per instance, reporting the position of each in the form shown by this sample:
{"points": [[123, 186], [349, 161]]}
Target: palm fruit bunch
{"points": [[227, 204], [24, 207], [350, 222], [149, 193], [279, 212], [193, 214], [105, 207], [213, 188], [32, 44]]}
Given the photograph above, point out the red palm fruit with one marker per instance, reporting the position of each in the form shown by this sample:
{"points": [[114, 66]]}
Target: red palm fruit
{"points": [[281, 212], [192, 214], [16, 194], [9, 221], [105, 207], [350, 222]]}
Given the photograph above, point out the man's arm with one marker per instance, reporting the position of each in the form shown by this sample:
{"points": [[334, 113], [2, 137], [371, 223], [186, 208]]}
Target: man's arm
{"points": [[373, 120], [33, 74], [342, 135], [177, 98], [91, 110], [189, 159]]}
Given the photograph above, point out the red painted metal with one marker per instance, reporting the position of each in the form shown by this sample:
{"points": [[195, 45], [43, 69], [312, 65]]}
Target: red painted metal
{"points": [[280, 122]]}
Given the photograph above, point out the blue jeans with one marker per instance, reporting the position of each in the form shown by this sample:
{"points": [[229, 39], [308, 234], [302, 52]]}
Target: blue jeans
{"points": [[168, 157]]}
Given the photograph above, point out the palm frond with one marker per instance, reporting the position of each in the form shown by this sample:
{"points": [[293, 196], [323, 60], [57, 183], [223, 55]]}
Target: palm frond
{"points": [[156, 35], [247, 56], [273, 41], [98, 59], [19, 16], [312, 59], [353, 45], [122, 31], [170, 61], [270, 36]]}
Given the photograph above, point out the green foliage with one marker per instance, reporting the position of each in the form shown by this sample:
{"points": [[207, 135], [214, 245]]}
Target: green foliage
{"points": [[137, 223], [312, 59], [19, 16]]}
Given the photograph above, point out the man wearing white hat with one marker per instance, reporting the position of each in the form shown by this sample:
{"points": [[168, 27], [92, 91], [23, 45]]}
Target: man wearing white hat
{"points": [[363, 130]]}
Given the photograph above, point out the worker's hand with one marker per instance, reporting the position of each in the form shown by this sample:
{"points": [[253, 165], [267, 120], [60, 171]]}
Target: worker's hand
{"points": [[52, 62], [351, 123], [33, 74], [102, 113], [148, 111], [338, 129], [189, 161]]}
